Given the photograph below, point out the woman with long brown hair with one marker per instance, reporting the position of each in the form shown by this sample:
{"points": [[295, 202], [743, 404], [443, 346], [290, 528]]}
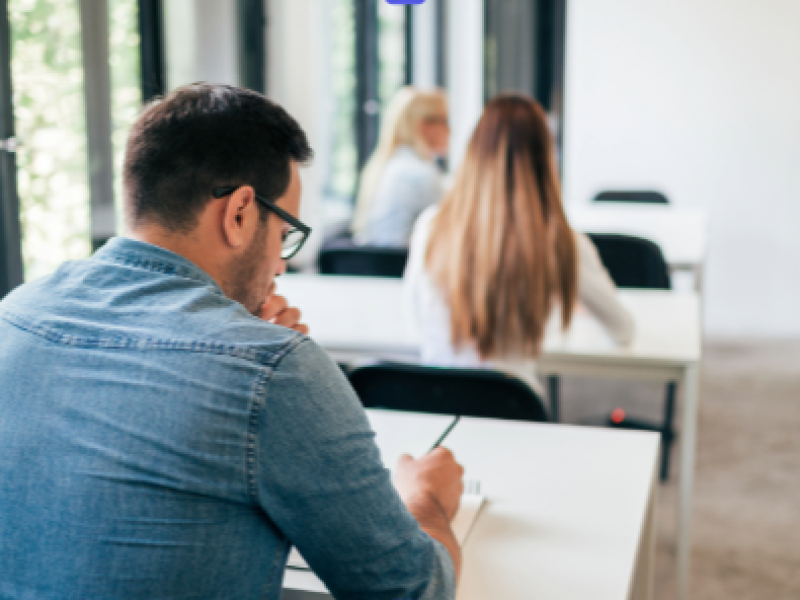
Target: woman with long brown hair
{"points": [[491, 265]]}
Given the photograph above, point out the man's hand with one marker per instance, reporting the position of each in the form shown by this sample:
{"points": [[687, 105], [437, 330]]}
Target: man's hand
{"points": [[276, 310], [431, 488], [436, 476]]}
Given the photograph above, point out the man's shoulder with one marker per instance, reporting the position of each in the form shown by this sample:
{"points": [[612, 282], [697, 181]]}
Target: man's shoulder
{"points": [[85, 304], [244, 336]]}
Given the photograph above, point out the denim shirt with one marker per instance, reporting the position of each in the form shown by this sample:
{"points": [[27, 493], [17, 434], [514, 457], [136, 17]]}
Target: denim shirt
{"points": [[158, 441]]}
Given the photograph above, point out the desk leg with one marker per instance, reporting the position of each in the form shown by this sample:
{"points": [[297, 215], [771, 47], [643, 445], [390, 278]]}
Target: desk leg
{"points": [[554, 392], [644, 576], [698, 279], [691, 392]]}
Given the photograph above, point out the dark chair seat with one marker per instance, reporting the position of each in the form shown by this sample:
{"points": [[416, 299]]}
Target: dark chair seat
{"points": [[643, 196], [632, 262], [343, 257], [446, 391]]}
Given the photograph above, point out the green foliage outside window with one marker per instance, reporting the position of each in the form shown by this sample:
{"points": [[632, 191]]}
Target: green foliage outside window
{"points": [[49, 113], [47, 72], [391, 51], [344, 159], [391, 29]]}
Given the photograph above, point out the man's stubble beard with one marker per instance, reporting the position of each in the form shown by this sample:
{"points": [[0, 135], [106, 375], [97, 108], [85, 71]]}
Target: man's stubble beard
{"points": [[243, 282]]}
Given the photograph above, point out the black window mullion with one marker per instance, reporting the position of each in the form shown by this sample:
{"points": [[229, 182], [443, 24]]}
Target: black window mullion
{"points": [[558, 43], [367, 79], [441, 43], [252, 45], [11, 272], [152, 52], [525, 42], [409, 45], [99, 126], [550, 37]]}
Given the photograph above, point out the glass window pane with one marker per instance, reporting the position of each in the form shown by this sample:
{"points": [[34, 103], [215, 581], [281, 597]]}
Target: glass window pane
{"points": [[392, 50], [344, 159], [47, 73], [181, 42]]}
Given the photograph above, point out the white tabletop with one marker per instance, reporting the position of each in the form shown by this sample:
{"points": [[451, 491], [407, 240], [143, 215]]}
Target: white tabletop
{"points": [[568, 512], [365, 316], [354, 317], [681, 232]]}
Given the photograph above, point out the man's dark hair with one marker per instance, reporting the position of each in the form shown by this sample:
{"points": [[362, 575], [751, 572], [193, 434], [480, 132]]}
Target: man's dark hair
{"points": [[203, 136]]}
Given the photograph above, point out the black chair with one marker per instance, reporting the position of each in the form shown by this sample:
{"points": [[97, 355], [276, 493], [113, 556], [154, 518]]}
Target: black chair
{"points": [[635, 263], [343, 257], [445, 391], [632, 262], [643, 196]]}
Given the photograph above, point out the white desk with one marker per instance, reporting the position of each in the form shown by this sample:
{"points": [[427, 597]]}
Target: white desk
{"points": [[570, 512], [354, 317], [680, 232]]}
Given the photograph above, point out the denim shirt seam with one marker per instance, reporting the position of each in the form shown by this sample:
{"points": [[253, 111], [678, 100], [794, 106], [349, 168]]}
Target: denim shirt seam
{"points": [[243, 352], [158, 266], [277, 563], [251, 466], [259, 395]]}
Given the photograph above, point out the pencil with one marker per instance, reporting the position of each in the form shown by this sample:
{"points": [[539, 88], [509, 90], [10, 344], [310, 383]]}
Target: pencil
{"points": [[445, 434]]}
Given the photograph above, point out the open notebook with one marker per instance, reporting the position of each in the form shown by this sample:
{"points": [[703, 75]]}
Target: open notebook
{"points": [[471, 505]]}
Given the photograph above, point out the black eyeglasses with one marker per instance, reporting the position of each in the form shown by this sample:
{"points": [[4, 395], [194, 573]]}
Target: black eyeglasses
{"points": [[293, 239]]}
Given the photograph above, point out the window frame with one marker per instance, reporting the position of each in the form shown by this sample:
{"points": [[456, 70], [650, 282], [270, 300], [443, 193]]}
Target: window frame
{"points": [[11, 269], [152, 49], [367, 113], [546, 30], [252, 16]]}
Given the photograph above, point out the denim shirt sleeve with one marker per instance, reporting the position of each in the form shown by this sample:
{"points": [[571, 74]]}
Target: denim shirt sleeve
{"points": [[319, 477]]}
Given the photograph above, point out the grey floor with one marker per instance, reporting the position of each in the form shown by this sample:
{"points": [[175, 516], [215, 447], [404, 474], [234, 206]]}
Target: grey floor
{"points": [[747, 499]]}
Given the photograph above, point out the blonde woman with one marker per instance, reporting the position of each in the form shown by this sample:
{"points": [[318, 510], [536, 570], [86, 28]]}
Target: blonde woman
{"points": [[401, 179], [490, 267]]}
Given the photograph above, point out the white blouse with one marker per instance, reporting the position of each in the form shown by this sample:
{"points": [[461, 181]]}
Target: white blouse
{"points": [[426, 307]]}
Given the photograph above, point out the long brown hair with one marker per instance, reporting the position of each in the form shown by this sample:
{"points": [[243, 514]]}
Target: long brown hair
{"points": [[500, 248]]}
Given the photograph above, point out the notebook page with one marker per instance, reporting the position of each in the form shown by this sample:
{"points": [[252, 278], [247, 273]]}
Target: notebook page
{"points": [[471, 505]]}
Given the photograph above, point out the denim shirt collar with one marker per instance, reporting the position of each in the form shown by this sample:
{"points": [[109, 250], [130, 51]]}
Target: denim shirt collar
{"points": [[123, 250]]}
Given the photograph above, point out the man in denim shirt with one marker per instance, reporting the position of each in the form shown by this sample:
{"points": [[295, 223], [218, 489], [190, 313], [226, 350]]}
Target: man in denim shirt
{"points": [[167, 430]]}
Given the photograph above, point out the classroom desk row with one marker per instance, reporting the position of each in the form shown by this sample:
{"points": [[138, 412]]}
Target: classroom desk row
{"points": [[570, 511], [680, 232], [363, 318]]}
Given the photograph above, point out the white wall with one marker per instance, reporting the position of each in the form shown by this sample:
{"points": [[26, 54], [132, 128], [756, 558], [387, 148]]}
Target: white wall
{"points": [[465, 73], [297, 72], [701, 99]]}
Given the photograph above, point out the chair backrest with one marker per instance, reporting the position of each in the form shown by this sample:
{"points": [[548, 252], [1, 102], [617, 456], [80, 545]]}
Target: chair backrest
{"points": [[465, 392], [644, 196], [371, 261], [632, 261]]}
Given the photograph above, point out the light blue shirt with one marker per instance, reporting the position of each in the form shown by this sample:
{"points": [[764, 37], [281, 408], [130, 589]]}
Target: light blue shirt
{"points": [[158, 441], [407, 187]]}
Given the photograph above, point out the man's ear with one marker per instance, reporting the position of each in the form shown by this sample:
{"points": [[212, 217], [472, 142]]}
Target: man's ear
{"points": [[238, 217]]}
